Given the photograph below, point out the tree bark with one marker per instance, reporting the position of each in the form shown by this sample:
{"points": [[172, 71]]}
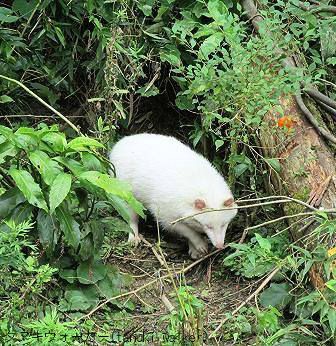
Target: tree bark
{"points": [[308, 164]]}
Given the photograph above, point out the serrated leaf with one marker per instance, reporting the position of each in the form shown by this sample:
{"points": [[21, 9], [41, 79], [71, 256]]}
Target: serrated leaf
{"points": [[69, 226], [59, 189], [276, 295], [91, 272], [210, 44], [83, 143], [48, 168], [30, 189]]}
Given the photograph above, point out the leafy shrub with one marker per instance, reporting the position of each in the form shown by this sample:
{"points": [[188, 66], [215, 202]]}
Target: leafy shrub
{"points": [[64, 188]]}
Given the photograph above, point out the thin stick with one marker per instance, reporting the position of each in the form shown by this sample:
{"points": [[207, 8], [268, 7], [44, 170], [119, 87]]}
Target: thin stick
{"points": [[126, 294], [254, 294], [42, 101]]}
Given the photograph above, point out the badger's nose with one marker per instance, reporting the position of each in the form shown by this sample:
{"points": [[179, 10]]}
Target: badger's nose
{"points": [[219, 246]]}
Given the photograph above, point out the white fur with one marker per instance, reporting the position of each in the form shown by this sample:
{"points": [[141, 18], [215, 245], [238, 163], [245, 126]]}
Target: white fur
{"points": [[168, 177]]}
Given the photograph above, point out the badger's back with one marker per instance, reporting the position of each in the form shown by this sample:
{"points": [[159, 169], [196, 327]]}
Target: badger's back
{"points": [[165, 174]]}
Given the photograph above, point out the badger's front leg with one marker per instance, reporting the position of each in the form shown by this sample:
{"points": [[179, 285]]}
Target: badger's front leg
{"points": [[197, 245], [133, 237]]}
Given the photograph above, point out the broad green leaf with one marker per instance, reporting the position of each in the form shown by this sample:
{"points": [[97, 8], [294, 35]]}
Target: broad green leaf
{"points": [[184, 102], [81, 298], [91, 162], [120, 206], [56, 140], [21, 213], [331, 284], [276, 295], [48, 168], [24, 7], [86, 248], [47, 230], [91, 272], [263, 242], [275, 164], [74, 166], [5, 99], [26, 138], [211, 43], [171, 54], [148, 90], [59, 189], [83, 143], [332, 319], [30, 189], [9, 200], [68, 274], [6, 15], [218, 11], [113, 186], [7, 149], [69, 226]]}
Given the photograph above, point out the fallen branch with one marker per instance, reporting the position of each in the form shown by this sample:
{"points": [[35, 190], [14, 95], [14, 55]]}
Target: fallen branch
{"points": [[254, 294], [42, 101], [126, 294], [325, 133]]}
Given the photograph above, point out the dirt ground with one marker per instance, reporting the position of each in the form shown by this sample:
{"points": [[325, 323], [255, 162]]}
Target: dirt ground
{"points": [[218, 289]]}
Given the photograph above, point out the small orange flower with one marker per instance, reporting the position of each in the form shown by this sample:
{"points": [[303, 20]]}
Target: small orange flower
{"points": [[286, 121]]}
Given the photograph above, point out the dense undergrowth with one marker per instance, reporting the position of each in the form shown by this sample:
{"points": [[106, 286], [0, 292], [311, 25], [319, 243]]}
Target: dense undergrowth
{"points": [[58, 204]]}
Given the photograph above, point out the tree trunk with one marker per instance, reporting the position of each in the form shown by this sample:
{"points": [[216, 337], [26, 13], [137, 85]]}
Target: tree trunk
{"points": [[308, 166]]}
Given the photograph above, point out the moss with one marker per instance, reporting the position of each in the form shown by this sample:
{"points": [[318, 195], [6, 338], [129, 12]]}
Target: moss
{"points": [[295, 208]]}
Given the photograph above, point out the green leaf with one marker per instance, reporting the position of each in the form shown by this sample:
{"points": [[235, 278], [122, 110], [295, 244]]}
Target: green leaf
{"points": [[91, 162], [82, 298], [113, 186], [9, 200], [69, 226], [56, 140], [211, 43], [276, 295], [30, 189], [24, 7], [48, 168], [217, 10], [7, 149], [83, 143], [86, 248], [331, 284], [5, 99], [60, 35], [26, 138], [68, 274], [184, 102], [171, 54], [148, 90], [91, 272], [218, 143], [275, 164], [59, 189], [74, 166], [47, 231], [332, 319], [6, 15], [263, 242], [120, 206]]}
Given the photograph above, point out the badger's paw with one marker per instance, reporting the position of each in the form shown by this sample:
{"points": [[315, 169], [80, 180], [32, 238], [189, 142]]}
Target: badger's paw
{"points": [[133, 239], [199, 249]]}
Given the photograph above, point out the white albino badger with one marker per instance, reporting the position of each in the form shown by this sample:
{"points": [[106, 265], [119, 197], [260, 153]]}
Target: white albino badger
{"points": [[173, 181]]}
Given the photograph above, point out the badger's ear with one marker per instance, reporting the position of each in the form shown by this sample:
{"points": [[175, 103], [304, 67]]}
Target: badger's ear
{"points": [[229, 202], [199, 204]]}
